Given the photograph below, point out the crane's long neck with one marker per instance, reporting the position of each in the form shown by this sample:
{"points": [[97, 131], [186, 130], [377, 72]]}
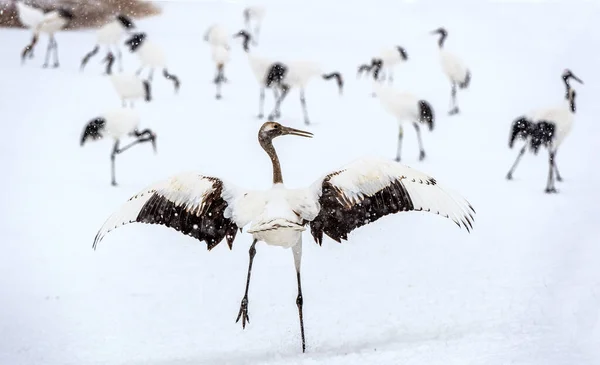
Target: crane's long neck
{"points": [[267, 145], [442, 40]]}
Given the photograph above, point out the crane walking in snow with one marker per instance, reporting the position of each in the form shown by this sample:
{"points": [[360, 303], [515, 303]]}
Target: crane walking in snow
{"points": [[210, 209], [40, 21], [546, 127], [454, 68], [117, 124], [110, 35]]}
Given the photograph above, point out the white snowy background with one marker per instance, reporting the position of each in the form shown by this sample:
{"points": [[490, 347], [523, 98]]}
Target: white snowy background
{"points": [[523, 288]]}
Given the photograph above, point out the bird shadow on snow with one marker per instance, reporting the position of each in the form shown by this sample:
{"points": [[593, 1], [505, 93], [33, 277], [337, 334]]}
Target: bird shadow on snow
{"points": [[319, 352]]}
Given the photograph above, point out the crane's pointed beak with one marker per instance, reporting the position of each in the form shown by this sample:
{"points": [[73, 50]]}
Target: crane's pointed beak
{"points": [[297, 132], [576, 79]]}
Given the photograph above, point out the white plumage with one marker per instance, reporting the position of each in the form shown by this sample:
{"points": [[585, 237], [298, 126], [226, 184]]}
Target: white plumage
{"points": [[390, 58], [297, 74], [130, 87], [254, 15], [546, 127], [454, 68], [117, 124], [217, 35], [40, 21], [151, 56], [110, 36], [211, 209], [405, 107]]}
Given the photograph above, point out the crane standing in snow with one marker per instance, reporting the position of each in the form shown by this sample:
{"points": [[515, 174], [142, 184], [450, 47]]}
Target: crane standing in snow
{"points": [[218, 39], [405, 107], [286, 76], [110, 35], [117, 124], [151, 56], [546, 127], [211, 209], [129, 86], [389, 58], [260, 67], [40, 21], [454, 68]]}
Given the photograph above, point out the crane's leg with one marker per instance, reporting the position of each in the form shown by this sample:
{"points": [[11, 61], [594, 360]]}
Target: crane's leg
{"points": [[119, 57], [243, 314], [454, 106], [514, 166], [297, 250], [219, 78], [55, 46], [304, 110], [399, 150], [48, 50], [113, 156], [276, 113], [151, 74], [261, 102], [550, 188], [558, 177], [421, 149], [87, 57]]}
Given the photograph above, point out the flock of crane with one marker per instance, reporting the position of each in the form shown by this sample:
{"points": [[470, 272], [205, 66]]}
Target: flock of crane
{"points": [[211, 209]]}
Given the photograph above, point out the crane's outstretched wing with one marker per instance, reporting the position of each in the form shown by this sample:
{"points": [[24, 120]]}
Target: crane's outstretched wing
{"points": [[371, 188], [195, 205]]}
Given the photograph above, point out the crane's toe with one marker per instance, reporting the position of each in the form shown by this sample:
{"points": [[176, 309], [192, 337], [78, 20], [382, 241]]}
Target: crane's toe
{"points": [[509, 176], [551, 191], [243, 313], [454, 111], [422, 156]]}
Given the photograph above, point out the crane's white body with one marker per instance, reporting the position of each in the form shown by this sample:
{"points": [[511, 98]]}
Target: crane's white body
{"points": [[151, 55], [402, 105], [129, 87], [120, 122], [390, 57], [562, 117], [52, 23], [259, 66], [300, 72], [29, 16], [217, 35], [453, 67], [220, 54], [110, 34]]}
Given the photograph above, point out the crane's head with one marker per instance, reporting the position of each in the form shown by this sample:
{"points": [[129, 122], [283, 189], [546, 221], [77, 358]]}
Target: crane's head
{"points": [[125, 21], [440, 31], [247, 38], [567, 74], [402, 52], [135, 41], [270, 130]]}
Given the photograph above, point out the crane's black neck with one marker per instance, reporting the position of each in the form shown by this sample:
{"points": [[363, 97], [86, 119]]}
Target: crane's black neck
{"points": [[267, 145], [442, 39]]}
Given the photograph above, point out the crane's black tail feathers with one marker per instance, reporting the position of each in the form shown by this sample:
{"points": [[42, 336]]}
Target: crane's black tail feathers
{"points": [[542, 133], [466, 81], [521, 129], [338, 79], [426, 114], [175, 79], [147, 90], [93, 130]]}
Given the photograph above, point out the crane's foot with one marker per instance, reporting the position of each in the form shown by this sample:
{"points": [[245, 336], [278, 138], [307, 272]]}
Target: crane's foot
{"points": [[421, 155], [397, 159], [454, 111], [218, 97], [306, 121], [45, 65], [551, 191], [56, 65], [243, 313], [260, 116], [114, 183], [509, 176], [559, 179]]}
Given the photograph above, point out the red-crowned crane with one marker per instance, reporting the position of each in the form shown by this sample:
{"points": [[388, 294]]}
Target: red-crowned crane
{"points": [[546, 127], [109, 35], [41, 21], [118, 124], [211, 209], [454, 68]]}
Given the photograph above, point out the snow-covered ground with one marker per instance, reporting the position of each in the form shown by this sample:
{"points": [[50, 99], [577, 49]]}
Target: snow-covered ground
{"points": [[523, 288]]}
